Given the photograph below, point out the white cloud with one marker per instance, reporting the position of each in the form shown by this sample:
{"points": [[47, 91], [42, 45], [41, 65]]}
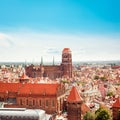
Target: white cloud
{"points": [[5, 40], [30, 46]]}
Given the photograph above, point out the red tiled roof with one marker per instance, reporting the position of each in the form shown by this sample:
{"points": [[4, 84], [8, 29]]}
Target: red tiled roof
{"points": [[39, 89], [84, 108], [9, 87], [28, 88], [117, 103], [115, 67], [74, 96]]}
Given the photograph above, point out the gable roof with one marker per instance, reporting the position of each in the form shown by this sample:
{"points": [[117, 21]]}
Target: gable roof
{"points": [[74, 96]]}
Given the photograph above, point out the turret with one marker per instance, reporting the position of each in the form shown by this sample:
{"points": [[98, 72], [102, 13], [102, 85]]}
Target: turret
{"points": [[74, 102]]}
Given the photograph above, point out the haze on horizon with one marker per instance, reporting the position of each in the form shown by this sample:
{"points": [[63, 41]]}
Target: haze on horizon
{"points": [[31, 29]]}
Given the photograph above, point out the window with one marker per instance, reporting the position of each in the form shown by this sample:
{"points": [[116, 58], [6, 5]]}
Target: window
{"points": [[30, 103], [26, 101], [33, 102], [40, 102], [65, 55], [36, 102], [53, 103], [21, 102], [47, 103], [11, 100]]}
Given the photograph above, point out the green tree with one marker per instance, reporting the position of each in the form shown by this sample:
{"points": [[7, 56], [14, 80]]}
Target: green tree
{"points": [[110, 94], [64, 81], [89, 116], [102, 114], [103, 78], [96, 77]]}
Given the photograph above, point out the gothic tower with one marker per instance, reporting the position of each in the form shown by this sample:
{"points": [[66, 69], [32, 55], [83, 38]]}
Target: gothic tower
{"points": [[74, 102], [67, 62]]}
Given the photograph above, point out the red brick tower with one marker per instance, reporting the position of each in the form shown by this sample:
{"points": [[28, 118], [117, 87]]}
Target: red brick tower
{"points": [[67, 62], [74, 102]]}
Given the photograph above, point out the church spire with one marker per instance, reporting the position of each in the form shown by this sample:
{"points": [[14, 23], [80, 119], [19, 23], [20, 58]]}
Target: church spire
{"points": [[41, 61], [53, 61]]}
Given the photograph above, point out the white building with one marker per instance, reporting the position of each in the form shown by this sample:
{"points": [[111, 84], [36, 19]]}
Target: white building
{"points": [[23, 114]]}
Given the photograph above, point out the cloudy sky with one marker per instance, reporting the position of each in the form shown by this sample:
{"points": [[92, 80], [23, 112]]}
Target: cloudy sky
{"points": [[30, 29]]}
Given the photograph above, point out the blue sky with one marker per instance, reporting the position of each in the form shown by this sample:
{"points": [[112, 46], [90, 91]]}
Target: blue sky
{"points": [[30, 29]]}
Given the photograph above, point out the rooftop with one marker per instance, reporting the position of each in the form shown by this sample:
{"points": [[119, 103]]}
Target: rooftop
{"points": [[66, 50], [29, 88], [74, 95], [117, 103]]}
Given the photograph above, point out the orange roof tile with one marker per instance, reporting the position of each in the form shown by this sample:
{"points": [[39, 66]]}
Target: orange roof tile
{"points": [[39, 89], [9, 87], [29, 88], [74, 96], [117, 103]]}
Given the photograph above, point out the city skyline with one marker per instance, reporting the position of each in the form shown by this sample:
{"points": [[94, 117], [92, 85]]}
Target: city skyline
{"points": [[31, 29]]}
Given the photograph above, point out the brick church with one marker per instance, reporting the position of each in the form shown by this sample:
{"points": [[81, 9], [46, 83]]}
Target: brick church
{"points": [[53, 71]]}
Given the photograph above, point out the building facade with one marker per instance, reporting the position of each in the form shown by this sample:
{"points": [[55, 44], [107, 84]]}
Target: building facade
{"points": [[48, 97], [53, 71]]}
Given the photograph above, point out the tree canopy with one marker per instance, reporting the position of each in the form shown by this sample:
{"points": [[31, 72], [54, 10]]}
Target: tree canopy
{"points": [[102, 114], [89, 116]]}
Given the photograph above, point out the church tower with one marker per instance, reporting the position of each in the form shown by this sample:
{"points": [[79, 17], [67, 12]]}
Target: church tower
{"points": [[67, 62], [74, 102]]}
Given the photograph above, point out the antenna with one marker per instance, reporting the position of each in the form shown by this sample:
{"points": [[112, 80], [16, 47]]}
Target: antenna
{"points": [[41, 60]]}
